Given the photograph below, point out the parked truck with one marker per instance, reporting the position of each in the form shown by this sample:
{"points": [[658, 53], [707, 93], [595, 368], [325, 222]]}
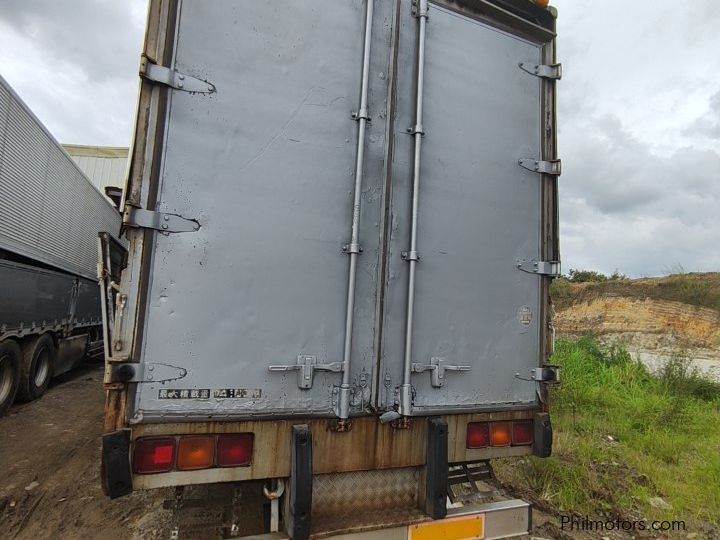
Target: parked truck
{"points": [[50, 217], [342, 225]]}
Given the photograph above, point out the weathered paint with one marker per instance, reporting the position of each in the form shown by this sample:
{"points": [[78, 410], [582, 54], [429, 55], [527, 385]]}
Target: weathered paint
{"points": [[368, 445]]}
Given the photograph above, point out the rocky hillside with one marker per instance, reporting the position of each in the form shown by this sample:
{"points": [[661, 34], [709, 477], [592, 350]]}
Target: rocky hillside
{"points": [[656, 318]]}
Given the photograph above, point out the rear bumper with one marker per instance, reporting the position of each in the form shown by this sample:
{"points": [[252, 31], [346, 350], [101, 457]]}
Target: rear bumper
{"points": [[504, 519], [369, 445]]}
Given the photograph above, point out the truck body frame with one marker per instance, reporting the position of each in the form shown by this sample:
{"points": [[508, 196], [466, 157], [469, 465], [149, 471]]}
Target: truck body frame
{"points": [[298, 202]]}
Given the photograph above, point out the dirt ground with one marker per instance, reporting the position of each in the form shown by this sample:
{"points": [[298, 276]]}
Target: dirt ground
{"points": [[50, 463], [50, 481]]}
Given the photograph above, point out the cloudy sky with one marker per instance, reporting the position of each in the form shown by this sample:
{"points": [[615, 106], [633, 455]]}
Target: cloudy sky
{"points": [[639, 109]]}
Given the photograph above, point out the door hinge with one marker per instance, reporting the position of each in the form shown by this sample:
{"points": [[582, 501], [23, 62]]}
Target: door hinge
{"points": [[146, 372], [438, 367], [544, 71], [160, 221], [543, 268], [552, 167], [548, 374], [174, 79], [306, 366]]}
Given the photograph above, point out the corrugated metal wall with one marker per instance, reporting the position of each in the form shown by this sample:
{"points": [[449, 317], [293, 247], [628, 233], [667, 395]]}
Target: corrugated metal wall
{"points": [[103, 165], [49, 211]]}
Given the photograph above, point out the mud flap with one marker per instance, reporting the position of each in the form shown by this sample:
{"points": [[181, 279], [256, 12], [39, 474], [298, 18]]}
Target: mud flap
{"points": [[436, 472], [115, 470], [542, 445], [301, 481]]}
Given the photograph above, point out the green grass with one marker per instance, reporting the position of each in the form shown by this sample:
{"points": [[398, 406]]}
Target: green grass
{"points": [[695, 289], [623, 436]]}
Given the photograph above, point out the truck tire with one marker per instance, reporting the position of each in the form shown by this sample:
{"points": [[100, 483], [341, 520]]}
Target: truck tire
{"points": [[10, 358], [37, 367]]}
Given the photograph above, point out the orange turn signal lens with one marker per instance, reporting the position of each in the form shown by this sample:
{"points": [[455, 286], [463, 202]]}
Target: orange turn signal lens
{"points": [[195, 452], [500, 434]]}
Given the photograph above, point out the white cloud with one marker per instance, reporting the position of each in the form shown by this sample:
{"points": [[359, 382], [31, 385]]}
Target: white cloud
{"points": [[639, 112], [75, 64], [639, 115]]}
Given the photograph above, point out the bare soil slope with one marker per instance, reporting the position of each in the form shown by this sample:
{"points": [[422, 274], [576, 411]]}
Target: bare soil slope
{"points": [[656, 318]]}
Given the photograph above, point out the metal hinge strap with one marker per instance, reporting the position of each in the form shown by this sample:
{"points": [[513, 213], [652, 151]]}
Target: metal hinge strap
{"points": [[146, 372], [552, 167], [543, 268], [160, 221], [544, 71], [174, 79]]}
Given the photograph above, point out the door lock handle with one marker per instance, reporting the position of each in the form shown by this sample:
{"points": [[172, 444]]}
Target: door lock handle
{"points": [[438, 367]]}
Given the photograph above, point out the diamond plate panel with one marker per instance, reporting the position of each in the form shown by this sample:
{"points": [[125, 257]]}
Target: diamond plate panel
{"points": [[364, 501], [359, 492]]}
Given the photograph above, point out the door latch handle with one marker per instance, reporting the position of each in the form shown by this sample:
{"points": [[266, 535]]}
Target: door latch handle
{"points": [[438, 367], [306, 366]]}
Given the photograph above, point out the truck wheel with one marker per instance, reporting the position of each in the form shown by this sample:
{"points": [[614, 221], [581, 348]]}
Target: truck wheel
{"points": [[10, 357], [37, 367]]}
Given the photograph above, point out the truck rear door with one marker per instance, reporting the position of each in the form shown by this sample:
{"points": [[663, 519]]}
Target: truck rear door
{"points": [[236, 292], [476, 309], [263, 160]]}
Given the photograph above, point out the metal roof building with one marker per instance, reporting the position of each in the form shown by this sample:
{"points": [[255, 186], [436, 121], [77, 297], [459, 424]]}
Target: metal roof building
{"points": [[103, 165]]}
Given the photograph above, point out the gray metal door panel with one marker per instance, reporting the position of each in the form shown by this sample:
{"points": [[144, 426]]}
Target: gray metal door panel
{"points": [[265, 165], [479, 212]]}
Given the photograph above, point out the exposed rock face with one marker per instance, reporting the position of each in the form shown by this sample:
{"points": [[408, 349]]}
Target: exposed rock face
{"points": [[650, 323], [652, 329]]}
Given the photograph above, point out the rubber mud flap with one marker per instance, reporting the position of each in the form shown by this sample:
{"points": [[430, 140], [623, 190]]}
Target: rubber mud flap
{"points": [[115, 472], [436, 474], [542, 445], [301, 481]]}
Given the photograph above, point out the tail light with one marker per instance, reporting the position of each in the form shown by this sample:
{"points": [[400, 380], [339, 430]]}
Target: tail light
{"points": [[484, 434], [234, 450], [196, 452], [478, 435], [154, 455], [191, 452], [522, 433], [500, 434]]}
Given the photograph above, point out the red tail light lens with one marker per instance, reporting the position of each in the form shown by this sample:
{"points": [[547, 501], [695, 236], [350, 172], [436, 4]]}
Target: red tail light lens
{"points": [[153, 455], [478, 435], [522, 433], [234, 450]]}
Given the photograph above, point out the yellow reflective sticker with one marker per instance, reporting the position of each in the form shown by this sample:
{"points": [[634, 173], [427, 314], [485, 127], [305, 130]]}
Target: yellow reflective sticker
{"points": [[455, 528]]}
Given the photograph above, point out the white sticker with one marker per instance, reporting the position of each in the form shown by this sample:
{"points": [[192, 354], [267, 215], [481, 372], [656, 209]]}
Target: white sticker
{"points": [[524, 315]]}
